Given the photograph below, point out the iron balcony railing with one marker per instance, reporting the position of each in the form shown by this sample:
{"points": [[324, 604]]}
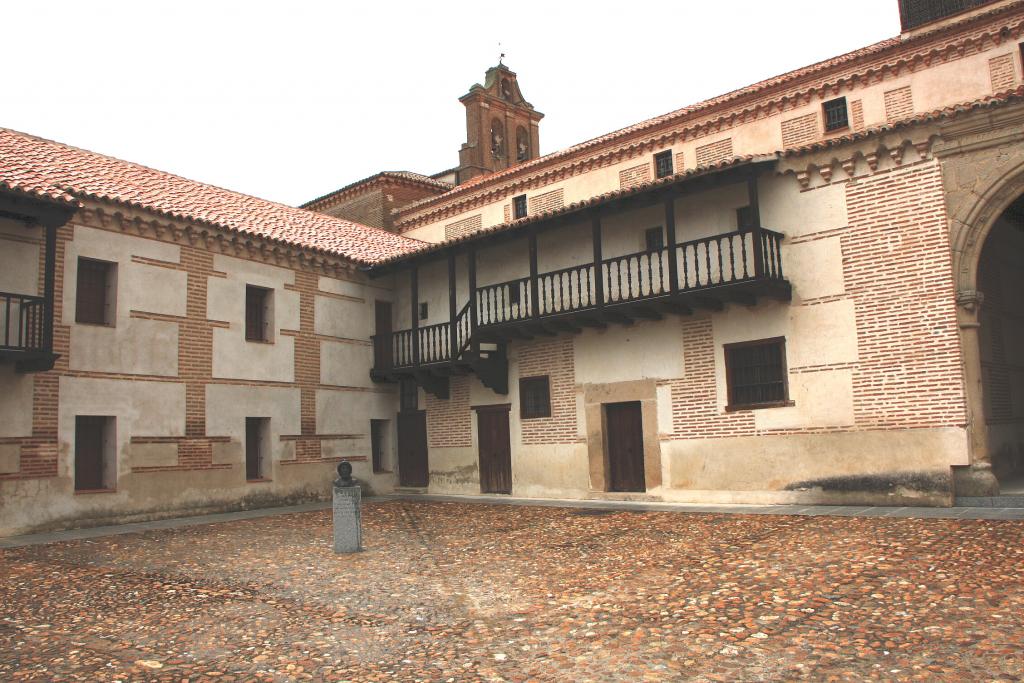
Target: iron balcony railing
{"points": [[701, 264]]}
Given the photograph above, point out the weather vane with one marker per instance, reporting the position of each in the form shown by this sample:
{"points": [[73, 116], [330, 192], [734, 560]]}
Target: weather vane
{"points": [[501, 55]]}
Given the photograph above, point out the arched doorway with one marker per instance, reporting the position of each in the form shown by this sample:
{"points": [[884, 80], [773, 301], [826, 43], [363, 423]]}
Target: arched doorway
{"points": [[1000, 279]]}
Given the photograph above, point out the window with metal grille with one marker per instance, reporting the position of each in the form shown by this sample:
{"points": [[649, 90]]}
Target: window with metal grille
{"points": [[519, 206], [94, 293], [756, 373], [836, 117], [409, 395], [914, 13], [654, 239], [534, 398], [663, 164], [257, 313]]}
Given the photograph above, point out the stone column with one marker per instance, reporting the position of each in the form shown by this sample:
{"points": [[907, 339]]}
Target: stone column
{"points": [[348, 523], [977, 478]]}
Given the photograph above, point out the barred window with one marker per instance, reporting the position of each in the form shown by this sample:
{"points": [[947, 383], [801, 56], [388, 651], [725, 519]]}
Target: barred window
{"points": [[654, 239], [534, 397], [519, 206], [663, 164], [756, 373], [257, 313], [836, 117], [94, 293], [409, 395]]}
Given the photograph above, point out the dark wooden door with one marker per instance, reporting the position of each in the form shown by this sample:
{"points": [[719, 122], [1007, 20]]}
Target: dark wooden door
{"points": [[89, 452], [412, 448], [382, 332], [625, 438], [495, 449]]}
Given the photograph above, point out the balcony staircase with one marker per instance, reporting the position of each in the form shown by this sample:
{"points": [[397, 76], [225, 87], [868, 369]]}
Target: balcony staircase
{"points": [[702, 274]]}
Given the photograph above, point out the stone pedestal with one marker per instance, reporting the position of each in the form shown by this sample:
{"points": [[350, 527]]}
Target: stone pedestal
{"points": [[348, 523]]}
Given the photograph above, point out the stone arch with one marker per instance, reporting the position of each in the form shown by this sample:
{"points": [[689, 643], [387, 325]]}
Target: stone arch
{"points": [[972, 219], [980, 187]]}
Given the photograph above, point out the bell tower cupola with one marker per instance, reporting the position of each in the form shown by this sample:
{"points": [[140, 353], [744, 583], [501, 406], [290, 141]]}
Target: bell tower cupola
{"points": [[502, 128]]}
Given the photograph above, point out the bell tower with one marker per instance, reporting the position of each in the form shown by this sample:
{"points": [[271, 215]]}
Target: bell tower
{"points": [[502, 128]]}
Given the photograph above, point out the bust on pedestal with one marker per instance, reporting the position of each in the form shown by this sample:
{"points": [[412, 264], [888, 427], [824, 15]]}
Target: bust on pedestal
{"points": [[348, 525]]}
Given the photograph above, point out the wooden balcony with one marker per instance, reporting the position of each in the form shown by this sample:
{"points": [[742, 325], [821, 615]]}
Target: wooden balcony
{"points": [[23, 332], [704, 273]]}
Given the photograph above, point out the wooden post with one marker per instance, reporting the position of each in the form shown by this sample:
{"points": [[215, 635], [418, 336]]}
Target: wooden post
{"points": [[49, 270], [595, 237], [755, 230], [414, 305], [534, 287], [471, 272], [670, 236], [453, 342]]}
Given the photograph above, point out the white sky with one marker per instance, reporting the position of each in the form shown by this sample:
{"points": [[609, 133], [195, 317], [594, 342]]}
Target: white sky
{"points": [[290, 100]]}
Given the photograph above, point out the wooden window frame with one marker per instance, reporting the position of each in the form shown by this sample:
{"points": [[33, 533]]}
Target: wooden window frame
{"points": [[108, 315], [845, 123], [663, 164], [525, 383], [520, 208], [732, 406], [745, 218], [265, 316], [424, 310], [649, 233]]}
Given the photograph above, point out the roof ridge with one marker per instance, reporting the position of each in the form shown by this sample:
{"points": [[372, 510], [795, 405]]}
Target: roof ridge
{"points": [[781, 79]]}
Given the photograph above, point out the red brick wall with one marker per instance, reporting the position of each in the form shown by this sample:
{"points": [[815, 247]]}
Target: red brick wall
{"points": [[695, 412], [635, 175], [1002, 73], [553, 358], [896, 267], [449, 422], [899, 103], [549, 201], [800, 131], [715, 151]]}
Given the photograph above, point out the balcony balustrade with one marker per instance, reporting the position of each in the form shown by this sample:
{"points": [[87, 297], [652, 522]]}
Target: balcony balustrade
{"points": [[736, 266], [21, 323]]}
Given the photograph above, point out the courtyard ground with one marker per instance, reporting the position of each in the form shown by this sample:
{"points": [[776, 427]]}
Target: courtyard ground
{"points": [[466, 592]]}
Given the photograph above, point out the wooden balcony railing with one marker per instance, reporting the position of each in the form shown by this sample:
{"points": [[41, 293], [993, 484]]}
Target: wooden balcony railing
{"points": [[21, 322], [700, 265]]}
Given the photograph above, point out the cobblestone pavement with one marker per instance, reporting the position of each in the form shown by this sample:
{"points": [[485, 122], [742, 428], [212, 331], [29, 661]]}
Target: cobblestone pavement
{"points": [[466, 592]]}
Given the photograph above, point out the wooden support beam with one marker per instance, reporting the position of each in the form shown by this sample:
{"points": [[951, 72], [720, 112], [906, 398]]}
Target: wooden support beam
{"points": [[595, 232], [563, 326], [453, 342], [755, 217], [745, 298], [670, 236], [534, 287], [616, 317], [538, 330], [49, 272], [587, 321], [708, 303], [471, 272], [674, 307], [646, 313], [414, 305]]}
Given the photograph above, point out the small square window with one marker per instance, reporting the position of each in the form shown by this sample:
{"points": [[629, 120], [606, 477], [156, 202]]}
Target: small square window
{"points": [[96, 292], [756, 374], [836, 117], [663, 164], [654, 239], [423, 310], [519, 206], [534, 397], [258, 313]]}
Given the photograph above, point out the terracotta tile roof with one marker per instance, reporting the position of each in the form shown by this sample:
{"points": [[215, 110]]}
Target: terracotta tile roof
{"points": [[723, 103], [592, 201], [63, 173], [418, 178], [999, 99]]}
